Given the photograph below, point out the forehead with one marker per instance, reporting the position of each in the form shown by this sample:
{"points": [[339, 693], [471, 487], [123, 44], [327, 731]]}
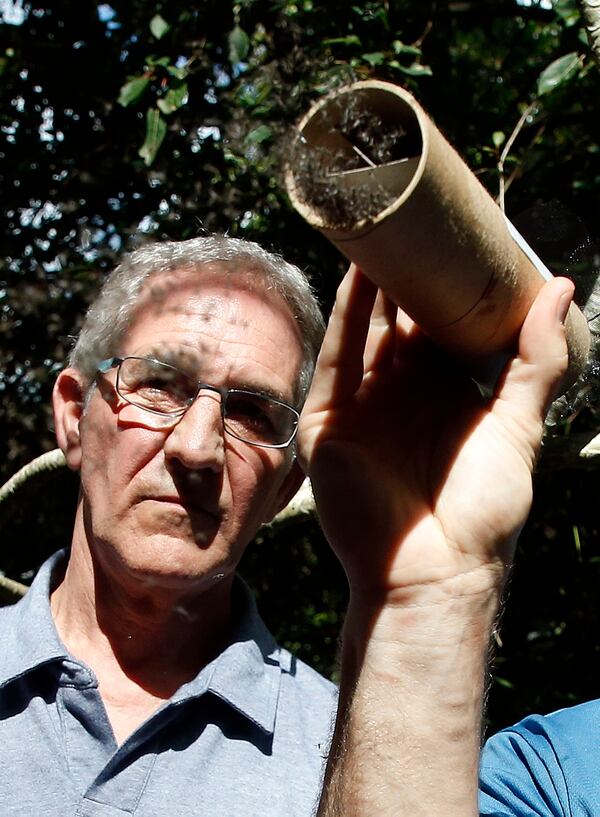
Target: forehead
{"points": [[226, 326]]}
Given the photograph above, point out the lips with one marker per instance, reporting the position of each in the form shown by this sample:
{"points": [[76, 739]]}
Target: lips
{"points": [[191, 506]]}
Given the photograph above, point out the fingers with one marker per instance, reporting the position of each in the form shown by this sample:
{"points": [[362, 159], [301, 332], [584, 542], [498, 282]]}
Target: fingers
{"points": [[533, 376], [339, 371], [381, 340]]}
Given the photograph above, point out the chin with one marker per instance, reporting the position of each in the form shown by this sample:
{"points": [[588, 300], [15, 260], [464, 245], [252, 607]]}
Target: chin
{"points": [[178, 561]]}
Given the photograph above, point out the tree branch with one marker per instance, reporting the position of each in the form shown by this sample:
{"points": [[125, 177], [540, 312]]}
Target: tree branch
{"points": [[506, 150], [590, 11]]}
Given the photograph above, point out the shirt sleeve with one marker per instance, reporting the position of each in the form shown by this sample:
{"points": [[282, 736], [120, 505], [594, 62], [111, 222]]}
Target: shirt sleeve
{"points": [[521, 776]]}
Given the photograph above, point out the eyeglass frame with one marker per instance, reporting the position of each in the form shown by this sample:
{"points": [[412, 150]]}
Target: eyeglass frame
{"points": [[115, 362]]}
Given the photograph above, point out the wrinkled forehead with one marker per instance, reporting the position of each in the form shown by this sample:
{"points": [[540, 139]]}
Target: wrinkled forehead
{"points": [[193, 308], [188, 282]]}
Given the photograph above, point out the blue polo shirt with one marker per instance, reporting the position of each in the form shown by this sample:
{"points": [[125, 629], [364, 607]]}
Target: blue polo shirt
{"points": [[547, 766], [248, 736]]}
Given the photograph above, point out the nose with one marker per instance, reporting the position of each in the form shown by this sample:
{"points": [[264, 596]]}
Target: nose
{"points": [[197, 442]]}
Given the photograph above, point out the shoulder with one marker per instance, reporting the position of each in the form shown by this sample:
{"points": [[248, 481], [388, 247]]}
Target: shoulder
{"points": [[9, 613], [308, 701], [543, 763], [306, 683], [577, 726]]}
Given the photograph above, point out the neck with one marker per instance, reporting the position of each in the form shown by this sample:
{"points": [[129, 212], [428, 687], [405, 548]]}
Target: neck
{"points": [[151, 636]]}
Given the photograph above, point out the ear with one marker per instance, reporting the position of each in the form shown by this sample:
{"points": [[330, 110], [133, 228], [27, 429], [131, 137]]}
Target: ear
{"points": [[289, 487], [67, 400]]}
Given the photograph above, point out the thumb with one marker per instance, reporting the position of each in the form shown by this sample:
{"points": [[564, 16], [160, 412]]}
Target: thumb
{"points": [[532, 378]]}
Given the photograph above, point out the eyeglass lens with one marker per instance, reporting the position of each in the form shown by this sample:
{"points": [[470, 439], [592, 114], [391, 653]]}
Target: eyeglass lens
{"points": [[163, 389]]}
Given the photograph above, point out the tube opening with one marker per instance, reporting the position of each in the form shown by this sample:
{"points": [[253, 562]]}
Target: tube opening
{"points": [[353, 156]]}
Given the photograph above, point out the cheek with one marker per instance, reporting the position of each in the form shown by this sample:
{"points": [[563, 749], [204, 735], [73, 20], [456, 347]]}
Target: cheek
{"points": [[112, 460], [255, 478]]}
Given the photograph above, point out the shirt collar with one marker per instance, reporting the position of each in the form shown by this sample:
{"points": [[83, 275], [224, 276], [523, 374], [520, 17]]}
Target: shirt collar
{"points": [[246, 675], [30, 636]]}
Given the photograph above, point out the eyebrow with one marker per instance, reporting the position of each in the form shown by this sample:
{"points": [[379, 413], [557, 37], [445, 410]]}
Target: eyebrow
{"points": [[186, 360], [272, 394]]}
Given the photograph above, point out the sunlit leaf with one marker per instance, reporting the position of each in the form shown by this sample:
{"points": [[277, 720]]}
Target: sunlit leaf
{"points": [[260, 134], [179, 72], [154, 61], [558, 72], [374, 58], [239, 45], [174, 98], [254, 94], [414, 70], [159, 26], [401, 48], [498, 138], [567, 10], [133, 90], [156, 129], [349, 39]]}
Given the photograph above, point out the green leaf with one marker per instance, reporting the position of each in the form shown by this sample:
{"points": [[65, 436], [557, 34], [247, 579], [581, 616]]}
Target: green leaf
{"points": [[558, 72], [374, 58], [154, 61], [414, 70], [567, 10], [239, 45], [159, 26], [156, 129], [401, 48], [175, 97], [349, 39], [260, 134], [498, 138], [254, 94], [133, 90], [178, 73]]}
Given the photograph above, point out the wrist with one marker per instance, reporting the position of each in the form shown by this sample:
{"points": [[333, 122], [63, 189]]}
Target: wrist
{"points": [[450, 598], [431, 625]]}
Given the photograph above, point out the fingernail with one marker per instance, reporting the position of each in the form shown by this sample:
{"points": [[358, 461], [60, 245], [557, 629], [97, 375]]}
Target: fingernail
{"points": [[564, 302]]}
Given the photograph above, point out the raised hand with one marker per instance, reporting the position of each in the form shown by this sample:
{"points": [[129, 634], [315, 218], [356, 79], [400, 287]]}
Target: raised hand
{"points": [[417, 478], [421, 487]]}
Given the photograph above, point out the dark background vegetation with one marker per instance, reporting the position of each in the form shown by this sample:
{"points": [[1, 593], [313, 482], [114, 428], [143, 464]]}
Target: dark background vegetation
{"points": [[133, 121]]}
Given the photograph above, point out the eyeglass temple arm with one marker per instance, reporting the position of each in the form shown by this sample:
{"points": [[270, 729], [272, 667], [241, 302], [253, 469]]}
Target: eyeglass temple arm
{"points": [[106, 365]]}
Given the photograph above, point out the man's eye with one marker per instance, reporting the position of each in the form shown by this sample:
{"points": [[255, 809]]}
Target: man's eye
{"points": [[156, 384], [250, 411], [172, 387], [163, 389]]}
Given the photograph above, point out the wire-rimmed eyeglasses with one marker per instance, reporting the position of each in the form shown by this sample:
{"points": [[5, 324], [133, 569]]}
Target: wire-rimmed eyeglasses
{"points": [[165, 390]]}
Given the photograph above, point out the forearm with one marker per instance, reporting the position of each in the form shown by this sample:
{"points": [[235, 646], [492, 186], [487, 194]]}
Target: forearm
{"points": [[409, 723]]}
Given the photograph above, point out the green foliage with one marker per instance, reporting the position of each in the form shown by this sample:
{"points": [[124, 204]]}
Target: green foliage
{"points": [[568, 11], [133, 90], [239, 45], [156, 130], [159, 27], [558, 73], [119, 125]]}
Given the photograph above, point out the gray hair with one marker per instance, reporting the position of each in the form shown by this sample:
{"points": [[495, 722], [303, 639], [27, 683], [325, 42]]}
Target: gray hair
{"points": [[112, 313]]}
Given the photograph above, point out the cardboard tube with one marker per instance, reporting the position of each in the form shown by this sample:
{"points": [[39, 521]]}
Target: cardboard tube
{"points": [[439, 245]]}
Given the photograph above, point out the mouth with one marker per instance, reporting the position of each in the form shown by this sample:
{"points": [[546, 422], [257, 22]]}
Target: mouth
{"points": [[193, 508]]}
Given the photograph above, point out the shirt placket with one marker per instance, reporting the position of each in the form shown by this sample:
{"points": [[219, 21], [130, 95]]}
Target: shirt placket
{"points": [[110, 779]]}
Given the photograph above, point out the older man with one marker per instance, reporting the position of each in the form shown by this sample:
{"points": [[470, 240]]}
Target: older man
{"points": [[138, 671], [136, 676]]}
